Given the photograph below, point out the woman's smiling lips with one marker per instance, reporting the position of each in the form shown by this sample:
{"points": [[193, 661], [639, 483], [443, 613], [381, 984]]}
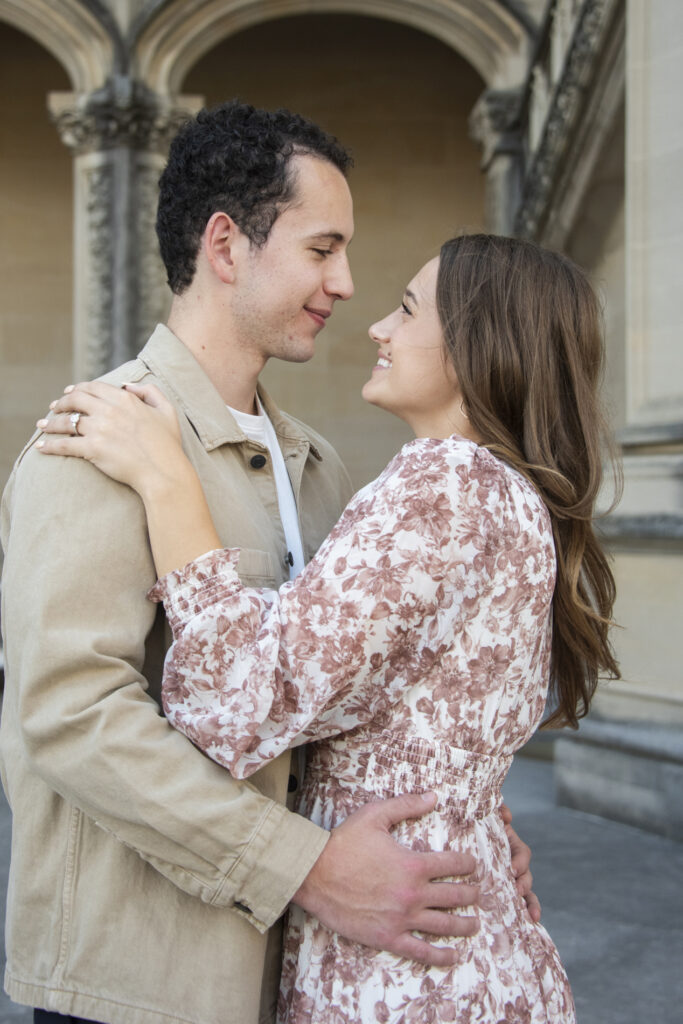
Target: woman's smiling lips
{"points": [[318, 315], [383, 363]]}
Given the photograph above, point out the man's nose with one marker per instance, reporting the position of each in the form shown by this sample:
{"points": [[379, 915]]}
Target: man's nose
{"points": [[339, 281]]}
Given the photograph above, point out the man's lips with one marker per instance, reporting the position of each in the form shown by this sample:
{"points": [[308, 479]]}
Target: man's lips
{"points": [[319, 315]]}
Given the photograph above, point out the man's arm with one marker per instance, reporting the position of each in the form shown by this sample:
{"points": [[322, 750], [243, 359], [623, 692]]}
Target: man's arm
{"points": [[77, 570]]}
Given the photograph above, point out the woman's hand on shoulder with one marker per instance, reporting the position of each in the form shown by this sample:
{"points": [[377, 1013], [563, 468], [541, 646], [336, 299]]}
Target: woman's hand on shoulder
{"points": [[130, 433]]}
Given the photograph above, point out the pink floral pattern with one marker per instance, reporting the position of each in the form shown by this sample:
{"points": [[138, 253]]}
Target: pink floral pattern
{"points": [[412, 653]]}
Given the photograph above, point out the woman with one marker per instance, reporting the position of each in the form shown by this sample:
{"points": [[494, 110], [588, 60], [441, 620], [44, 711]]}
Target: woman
{"points": [[415, 650]]}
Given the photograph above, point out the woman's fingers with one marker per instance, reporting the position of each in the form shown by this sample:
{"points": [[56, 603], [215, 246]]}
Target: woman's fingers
{"points": [[97, 389], [96, 397], [58, 444], [77, 401], [157, 400], [62, 423], [90, 399], [149, 393]]}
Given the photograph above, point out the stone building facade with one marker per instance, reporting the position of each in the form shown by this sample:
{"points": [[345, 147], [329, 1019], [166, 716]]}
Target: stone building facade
{"points": [[554, 119]]}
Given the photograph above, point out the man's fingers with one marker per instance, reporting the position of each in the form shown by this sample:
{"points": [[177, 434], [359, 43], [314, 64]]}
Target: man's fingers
{"points": [[450, 895], [520, 853], [412, 948], [448, 864], [402, 808], [506, 814], [533, 905], [435, 922], [524, 883]]}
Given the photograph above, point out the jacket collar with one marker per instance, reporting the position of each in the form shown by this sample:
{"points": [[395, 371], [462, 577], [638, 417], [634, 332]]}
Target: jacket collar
{"points": [[169, 359]]}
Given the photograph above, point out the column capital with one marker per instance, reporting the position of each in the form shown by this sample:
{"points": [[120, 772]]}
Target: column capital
{"points": [[494, 122], [123, 113]]}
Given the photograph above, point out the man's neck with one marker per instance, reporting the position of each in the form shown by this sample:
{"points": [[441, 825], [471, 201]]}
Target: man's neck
{"points": [[232, 372]]}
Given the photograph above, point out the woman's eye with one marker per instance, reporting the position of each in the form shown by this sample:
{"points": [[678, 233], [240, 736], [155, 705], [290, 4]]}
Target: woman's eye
{"points": [[405, 309]]}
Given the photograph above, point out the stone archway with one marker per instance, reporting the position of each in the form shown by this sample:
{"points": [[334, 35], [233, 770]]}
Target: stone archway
{"points": [[487, 33], [84, 45]]}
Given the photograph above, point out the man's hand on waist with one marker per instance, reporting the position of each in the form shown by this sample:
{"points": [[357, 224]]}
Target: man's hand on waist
{"points": [[372, 890]]}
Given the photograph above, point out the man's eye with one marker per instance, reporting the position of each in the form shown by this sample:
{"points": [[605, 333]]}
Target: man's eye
{"points": [[323, 252]]}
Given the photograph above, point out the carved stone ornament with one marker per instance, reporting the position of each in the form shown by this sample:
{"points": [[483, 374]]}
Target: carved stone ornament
{"points": [[147, 274], [494, 121], [563, 111], [124, 112], [94, 359]]}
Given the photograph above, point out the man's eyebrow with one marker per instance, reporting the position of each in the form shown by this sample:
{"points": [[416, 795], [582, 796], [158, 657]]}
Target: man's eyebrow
{"points": [[329, 236]]}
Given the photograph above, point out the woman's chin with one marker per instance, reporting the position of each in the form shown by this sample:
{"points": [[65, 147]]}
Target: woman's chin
{"points": [[367, 392]]}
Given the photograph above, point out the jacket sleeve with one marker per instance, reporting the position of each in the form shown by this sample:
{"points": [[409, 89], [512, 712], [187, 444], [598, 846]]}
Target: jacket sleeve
{"points": [[76, 617], [253, 672]]}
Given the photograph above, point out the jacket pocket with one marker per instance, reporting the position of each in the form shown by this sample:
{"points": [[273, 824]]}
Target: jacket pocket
{"points": [[255, 568]]}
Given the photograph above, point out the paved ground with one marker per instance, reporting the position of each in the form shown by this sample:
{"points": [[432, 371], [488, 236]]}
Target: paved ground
{"points": [[612, 900]]}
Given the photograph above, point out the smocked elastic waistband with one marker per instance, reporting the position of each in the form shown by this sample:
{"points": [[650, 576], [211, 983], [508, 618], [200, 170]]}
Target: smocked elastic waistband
{"points": [[467, 784]]}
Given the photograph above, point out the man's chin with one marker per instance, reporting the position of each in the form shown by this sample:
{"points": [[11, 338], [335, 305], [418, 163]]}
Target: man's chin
{"points": [[295, 352]]}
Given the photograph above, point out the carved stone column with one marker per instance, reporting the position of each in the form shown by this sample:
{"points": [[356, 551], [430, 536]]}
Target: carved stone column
{"points": [[119, 136], [494, 123]]}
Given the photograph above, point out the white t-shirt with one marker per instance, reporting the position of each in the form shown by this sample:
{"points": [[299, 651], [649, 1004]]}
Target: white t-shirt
{"points": [[259, 428]]}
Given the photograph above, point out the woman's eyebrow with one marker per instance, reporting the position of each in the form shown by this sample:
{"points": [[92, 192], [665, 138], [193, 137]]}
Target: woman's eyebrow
{"points": [[410, 295]]}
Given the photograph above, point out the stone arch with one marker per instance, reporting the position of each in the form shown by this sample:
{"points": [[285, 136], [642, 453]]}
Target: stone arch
{"points": [[487, 33], [84, 45]]}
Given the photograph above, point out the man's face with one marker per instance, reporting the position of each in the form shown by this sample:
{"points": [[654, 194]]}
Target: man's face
{"points": [[285, 290]]}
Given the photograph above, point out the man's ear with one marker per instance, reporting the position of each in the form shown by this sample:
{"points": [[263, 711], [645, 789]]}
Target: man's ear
{"points": [[222, 242]]}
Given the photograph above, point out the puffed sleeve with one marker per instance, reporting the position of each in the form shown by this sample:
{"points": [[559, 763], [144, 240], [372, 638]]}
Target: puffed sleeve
{"points": [[253, 672]]}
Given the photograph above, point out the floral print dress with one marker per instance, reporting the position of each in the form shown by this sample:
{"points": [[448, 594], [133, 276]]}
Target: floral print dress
{"points": [[413, 654]]}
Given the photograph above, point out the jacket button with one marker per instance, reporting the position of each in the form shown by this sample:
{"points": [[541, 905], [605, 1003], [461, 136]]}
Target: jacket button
{"points": [[257, 461]]}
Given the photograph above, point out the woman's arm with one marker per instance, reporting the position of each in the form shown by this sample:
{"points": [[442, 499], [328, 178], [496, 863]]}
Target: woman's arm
{"points": [[132, 435], [253, 672]]}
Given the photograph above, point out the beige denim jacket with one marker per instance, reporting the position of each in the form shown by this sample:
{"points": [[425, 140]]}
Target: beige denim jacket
{"points": [[143, 877]]}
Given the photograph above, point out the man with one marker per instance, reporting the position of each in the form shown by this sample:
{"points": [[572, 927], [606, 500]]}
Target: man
{"points": [[143, 877]]}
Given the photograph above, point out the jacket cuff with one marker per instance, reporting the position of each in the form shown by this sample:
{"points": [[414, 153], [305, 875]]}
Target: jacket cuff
{"points": [[275, 863]]}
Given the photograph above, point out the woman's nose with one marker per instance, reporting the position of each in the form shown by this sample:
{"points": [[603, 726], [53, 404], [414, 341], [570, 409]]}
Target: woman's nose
{"points": [[378, 331]]}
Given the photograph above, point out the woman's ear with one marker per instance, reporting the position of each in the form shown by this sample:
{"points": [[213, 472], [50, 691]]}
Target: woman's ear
{"points": [[221, 243]]}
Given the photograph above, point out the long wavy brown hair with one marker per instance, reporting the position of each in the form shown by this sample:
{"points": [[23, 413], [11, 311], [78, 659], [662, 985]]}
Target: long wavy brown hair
{"points": [[523, 329]]}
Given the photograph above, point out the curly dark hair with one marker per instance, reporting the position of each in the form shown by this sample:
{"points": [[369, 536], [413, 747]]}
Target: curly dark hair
{"points": [[234, 158]]}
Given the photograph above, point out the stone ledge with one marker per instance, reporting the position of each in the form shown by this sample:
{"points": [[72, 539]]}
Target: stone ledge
{"points": [[666, 527], [626, 771], [638, 435]]}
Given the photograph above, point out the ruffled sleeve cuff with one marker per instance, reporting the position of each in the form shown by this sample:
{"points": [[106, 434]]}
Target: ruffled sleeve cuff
{"points": [[203, 582]]}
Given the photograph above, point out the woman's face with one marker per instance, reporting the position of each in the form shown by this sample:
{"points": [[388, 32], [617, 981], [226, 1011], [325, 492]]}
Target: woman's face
{"points": [[413, 378]]}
